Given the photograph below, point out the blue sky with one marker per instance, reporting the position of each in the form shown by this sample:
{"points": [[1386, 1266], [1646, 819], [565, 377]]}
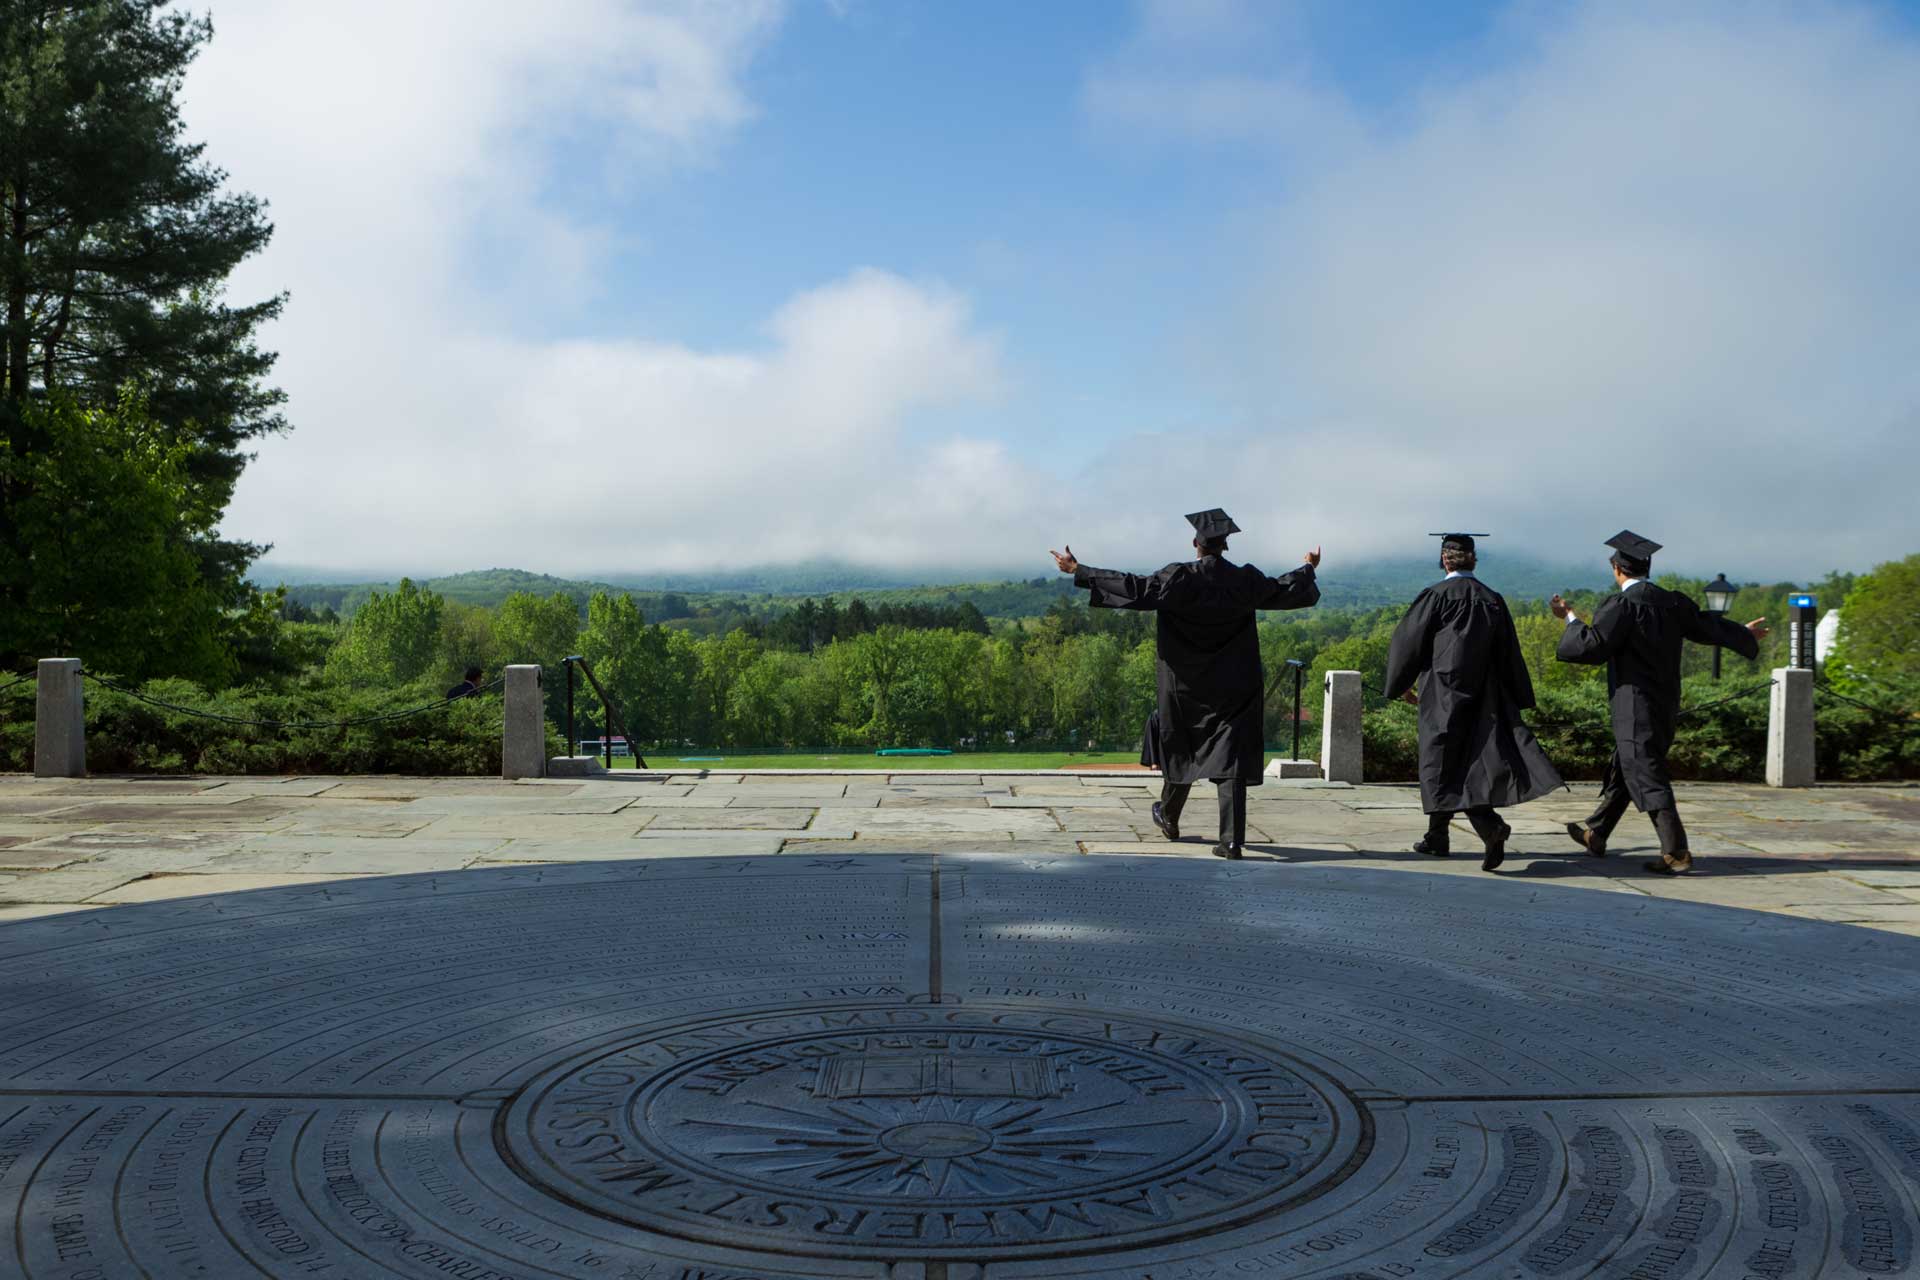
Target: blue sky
{"points": [[953, 141], [944, 284]]}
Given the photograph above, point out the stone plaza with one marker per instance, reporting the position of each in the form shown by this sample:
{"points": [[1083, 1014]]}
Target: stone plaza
{"points": [[943, 1026], [1842, 853]]}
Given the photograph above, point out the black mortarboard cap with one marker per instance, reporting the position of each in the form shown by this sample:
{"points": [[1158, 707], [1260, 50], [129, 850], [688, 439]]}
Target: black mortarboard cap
{"points": [[1457, 541], [1633, 546], [1213, 524]]}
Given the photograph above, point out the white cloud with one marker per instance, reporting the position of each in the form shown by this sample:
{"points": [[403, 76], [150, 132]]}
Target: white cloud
{"points": [[1217, 71], [397, 142], [610, 454], [1655, 270]]}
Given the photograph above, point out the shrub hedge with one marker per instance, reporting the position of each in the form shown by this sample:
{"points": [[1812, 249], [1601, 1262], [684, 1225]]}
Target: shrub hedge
{"points": [[1726, 741]]}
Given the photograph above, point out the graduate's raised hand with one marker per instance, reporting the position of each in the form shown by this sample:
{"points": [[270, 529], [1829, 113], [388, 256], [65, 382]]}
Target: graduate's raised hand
{"points": [[1066, 562], [1559, 606], [1312, 557], [1759, 628]]}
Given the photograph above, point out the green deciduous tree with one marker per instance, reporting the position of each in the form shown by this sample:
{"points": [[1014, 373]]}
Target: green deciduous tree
{"points": [[1088, 696], [466, 640], [104, 559], [394, 638], [880, 658], [723, 660], [627, 657], [543, 630], [1879, 644]]}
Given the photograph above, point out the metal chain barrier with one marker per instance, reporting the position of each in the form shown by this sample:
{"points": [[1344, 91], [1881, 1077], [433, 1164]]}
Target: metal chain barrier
{"points": [[18, 681], [102, 681], [1366, 688], [1910, 719], [1749, 691]]}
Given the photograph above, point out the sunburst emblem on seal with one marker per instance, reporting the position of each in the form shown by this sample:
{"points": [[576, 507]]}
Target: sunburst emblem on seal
{"points": [[934, 1145]]}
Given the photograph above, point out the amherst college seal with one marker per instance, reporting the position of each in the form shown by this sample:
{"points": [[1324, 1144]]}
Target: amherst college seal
{"points": [[929, 1132]]}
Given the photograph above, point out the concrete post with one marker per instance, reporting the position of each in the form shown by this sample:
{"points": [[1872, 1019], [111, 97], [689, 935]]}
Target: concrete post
{"points": [[1790, 729], [523, 745], [1340, 738], [59, 723]]}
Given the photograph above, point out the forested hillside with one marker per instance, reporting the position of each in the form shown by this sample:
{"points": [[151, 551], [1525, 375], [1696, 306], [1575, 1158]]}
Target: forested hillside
{"points": [[717, 604]]}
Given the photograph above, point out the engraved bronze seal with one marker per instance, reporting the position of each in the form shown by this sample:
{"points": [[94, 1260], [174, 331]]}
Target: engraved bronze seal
{"points": [[933, 1132]]}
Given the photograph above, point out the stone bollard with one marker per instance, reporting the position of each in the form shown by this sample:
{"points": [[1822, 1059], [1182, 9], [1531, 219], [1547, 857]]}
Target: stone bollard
{"points": [[59, 721], [523, 745], [1790, 729], [1340, 750]]}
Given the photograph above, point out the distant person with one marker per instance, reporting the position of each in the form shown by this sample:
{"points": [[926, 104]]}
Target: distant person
{"points": [[1457, 643], [468, 686], [1639, 633], [1211, 700]]}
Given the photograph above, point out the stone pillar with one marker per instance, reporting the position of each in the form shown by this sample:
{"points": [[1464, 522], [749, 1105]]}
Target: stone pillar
{"points": [[1790, 729], [59, 724], [523, 746], [1340, 728]]}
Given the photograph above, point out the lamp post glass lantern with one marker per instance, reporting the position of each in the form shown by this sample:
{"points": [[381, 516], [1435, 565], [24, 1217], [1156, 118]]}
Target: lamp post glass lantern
{"points": [[1719, 595]]}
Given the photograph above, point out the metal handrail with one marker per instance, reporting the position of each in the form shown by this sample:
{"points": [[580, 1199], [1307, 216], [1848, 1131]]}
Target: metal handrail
{"points": [[614, 719]]}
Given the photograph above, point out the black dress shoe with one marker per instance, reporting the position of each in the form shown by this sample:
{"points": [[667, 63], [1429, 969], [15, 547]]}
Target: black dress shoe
{"points": [[1432, 848], [1583, 837], [1496, 850], [1228, 851], [1171, 830]]}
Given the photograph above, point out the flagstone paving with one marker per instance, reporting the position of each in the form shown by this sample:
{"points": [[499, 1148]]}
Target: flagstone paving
{"points": [[1841, 853]]}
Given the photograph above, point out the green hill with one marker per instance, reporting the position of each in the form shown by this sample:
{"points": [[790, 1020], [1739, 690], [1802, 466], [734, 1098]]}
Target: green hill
{"points": [[724, 600]]}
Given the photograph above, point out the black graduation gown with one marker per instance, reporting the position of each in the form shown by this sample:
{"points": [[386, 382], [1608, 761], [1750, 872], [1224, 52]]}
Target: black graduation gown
{"points": [[1475, 751], [1150, 753], [1211, 693], [1639, 634]]}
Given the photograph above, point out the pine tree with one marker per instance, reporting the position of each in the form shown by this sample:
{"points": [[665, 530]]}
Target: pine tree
{"points": [[116, 237]]}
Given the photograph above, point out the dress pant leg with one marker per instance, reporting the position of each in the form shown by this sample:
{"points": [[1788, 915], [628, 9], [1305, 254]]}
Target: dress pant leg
{"points": [[1614, 800], [1438, 826], [1173, 798], [1233, 813], [1672, 833], [1486, 824]]}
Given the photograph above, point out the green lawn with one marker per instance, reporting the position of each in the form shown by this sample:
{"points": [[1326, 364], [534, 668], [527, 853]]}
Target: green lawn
{"points": [[969, 762]]}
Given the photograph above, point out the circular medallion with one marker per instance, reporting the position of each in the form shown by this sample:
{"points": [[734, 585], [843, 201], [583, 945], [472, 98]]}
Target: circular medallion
{"points": [[897, 1132]]}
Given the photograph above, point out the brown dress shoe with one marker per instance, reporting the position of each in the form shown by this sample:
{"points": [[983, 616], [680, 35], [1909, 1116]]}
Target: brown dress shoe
{"points": [[1668, 865], [1584, 838]]}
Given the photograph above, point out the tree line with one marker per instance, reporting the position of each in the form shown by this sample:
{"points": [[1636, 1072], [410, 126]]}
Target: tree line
{"points": [[851, 676]]}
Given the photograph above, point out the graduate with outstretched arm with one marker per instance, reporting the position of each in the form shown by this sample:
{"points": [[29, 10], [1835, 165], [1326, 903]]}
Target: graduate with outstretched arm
{"points": [[1212, 698], [1458, 644], [1640, 633]]}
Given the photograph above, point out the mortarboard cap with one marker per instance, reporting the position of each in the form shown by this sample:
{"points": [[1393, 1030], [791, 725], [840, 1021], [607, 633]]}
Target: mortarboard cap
{"points": [[1212, 524], [1457, 541], [1633, 546]]}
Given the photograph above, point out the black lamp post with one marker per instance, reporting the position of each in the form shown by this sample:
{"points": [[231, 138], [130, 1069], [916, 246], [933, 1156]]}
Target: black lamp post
{"points": [[1719, 595]]}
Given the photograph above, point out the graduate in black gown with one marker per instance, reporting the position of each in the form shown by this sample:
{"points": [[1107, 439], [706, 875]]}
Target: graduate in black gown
{"points": [[1212, 699], [1639, 633], [1458, 645]]}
